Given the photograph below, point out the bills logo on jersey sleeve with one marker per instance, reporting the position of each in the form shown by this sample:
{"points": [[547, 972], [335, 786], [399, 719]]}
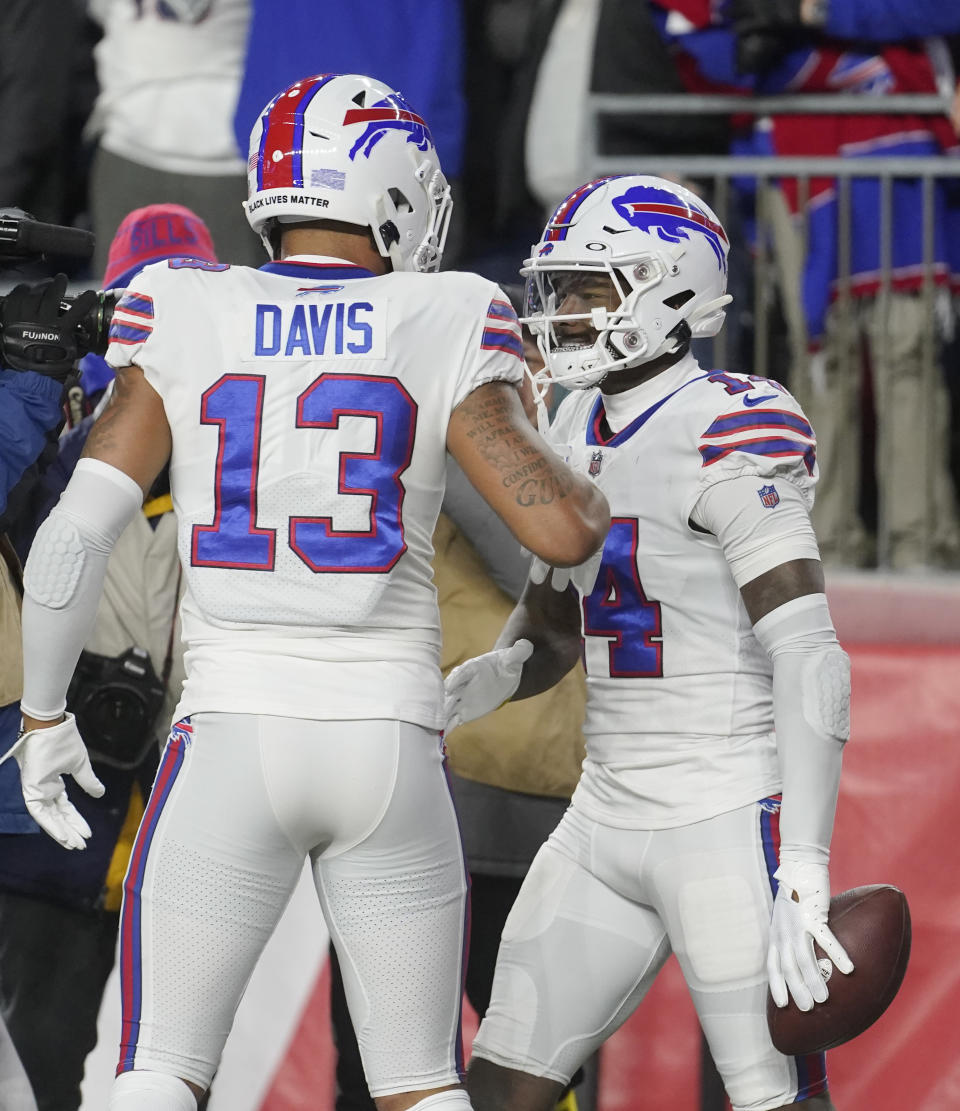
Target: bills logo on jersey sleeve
{"points": [[655, 210], [774, 433], [501, 329]]}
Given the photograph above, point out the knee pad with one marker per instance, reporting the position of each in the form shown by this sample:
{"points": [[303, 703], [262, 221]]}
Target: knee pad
{"points": [[142, 1090], [455, 1099]]}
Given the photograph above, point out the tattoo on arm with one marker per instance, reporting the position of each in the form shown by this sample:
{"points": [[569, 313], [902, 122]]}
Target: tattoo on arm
{"points": [[533, 480]]}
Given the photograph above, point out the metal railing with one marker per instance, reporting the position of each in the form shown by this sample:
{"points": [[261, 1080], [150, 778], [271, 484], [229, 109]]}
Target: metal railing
{"points": [[775, 267]]}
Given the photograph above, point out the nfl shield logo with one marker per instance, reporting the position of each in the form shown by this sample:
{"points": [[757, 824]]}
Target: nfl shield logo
{"points": [[596, 462], [769, 496]]}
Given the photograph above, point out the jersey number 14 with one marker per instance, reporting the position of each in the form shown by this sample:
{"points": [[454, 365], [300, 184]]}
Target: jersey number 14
{"points": [[618, 611]]}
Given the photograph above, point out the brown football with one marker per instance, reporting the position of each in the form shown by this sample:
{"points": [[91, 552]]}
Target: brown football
{"points": [[873, 924]]}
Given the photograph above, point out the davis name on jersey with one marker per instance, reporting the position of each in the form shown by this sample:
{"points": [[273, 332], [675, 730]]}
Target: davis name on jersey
{"points": [[679, 720], [330, 328], [308, 403]]}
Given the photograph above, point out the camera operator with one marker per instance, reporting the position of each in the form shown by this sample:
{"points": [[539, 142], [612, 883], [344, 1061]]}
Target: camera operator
{"points": [[39, 353], [31, 412], [59, 911]]}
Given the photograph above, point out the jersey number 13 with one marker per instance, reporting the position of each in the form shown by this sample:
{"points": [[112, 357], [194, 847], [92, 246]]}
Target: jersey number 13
{"points": [[235, 403]]}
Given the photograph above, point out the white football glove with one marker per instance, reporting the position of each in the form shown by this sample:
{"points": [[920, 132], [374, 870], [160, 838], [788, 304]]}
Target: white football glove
{"points": [[483, 683], [800, 918], [583, 576], [45, 756]]}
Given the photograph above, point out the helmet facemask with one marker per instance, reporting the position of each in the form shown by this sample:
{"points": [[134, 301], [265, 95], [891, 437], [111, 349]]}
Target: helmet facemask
{"points": [[637, 330], [397, 221]]}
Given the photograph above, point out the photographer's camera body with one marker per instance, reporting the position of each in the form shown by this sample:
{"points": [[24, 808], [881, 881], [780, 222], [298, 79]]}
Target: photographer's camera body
{"points": [[116, 701], [41, 329]]}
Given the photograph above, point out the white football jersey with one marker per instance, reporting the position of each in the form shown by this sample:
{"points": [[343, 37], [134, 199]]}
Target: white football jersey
{"points": [[308, 403], [679, 718]]}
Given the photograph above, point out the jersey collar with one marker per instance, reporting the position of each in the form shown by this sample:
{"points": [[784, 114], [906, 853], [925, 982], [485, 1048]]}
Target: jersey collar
{"points": [[317, 266], [668, 382]]}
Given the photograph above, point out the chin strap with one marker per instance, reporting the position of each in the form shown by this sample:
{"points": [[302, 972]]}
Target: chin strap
{"points": [[540, 384]]}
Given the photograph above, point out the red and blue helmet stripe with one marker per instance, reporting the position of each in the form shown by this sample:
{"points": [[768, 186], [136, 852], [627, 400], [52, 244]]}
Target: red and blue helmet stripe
{"points": [[282, 133], [560, 221]]}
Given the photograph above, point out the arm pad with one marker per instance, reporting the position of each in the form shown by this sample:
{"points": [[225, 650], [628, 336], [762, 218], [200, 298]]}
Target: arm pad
{"points": [[63, 579], [811, 708]]}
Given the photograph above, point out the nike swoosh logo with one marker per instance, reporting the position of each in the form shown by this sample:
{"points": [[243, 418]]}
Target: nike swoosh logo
{"points": [[751, 401]]}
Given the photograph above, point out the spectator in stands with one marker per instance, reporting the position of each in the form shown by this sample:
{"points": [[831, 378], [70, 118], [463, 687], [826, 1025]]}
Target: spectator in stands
{"points": [[169, 73], [59, 911], [41, 162], [772, 52], [604, 46], [854, 20], [890, 316]]}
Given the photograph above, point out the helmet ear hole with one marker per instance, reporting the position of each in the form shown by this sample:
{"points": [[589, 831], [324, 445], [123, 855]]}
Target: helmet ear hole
{"points": [[678, 300], [400, 202]]}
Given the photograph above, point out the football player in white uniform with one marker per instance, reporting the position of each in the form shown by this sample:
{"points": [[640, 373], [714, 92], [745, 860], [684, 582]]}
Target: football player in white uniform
{"points": [[715, 680], [306, 409]]}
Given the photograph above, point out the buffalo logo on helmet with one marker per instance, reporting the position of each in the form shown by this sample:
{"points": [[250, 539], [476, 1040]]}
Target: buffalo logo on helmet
{"points": [[672, 217], [392, 113]]}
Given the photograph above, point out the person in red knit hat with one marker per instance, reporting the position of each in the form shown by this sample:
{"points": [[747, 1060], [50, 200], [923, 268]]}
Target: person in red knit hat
{"points": [[153, 233], [150, 234]]}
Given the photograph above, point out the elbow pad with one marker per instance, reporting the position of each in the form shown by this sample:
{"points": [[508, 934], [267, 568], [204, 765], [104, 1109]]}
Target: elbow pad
{"points": [[811, 703], [63, 579]]}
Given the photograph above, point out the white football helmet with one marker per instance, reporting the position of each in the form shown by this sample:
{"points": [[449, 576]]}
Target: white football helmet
{"points": [[666, 254], [347, 147]]}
